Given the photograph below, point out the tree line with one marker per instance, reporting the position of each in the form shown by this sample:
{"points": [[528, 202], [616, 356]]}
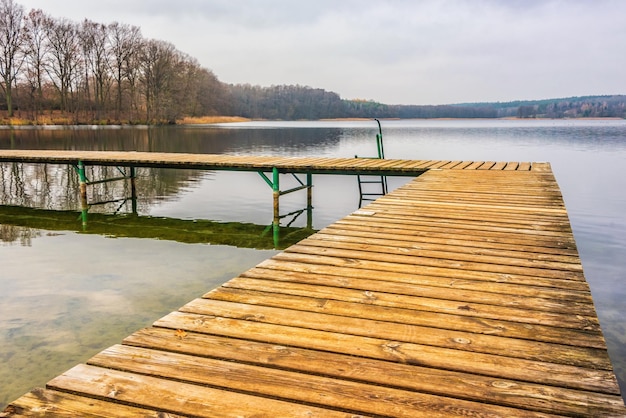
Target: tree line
{"points": [[91, 72]]}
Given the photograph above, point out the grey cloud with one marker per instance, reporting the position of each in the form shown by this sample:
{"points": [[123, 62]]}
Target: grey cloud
{"points": [[395, 51]]}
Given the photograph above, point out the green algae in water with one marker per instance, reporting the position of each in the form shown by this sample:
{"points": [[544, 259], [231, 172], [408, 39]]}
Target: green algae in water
{"points": [[16, 221]]}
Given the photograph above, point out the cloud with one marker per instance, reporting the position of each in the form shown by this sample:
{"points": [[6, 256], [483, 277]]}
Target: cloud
{"points": [[396, 51]]}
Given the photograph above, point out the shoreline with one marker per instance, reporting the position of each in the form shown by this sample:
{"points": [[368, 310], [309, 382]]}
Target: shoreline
{"points": [[212, 120]]}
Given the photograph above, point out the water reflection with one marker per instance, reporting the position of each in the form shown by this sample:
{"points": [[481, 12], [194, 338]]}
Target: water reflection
{"points": [[198, 140], [21, 224], [12, 234], [53, 186]]}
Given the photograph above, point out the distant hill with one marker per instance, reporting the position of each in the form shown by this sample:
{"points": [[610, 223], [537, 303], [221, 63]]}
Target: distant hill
{"points": [[300, 102], [570, 107]]}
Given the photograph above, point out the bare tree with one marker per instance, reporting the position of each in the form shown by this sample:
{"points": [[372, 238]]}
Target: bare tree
{"points": [[11, 39], [212, 97], [158, 61], [95, 45], [64, 63], [36, 50], [187, 84], [132, 73], [125, 41]]}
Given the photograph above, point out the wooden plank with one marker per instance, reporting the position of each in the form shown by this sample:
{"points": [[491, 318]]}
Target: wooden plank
{"points": [[500, 367], [178, 397], [411, 377], [490, 186], [530, 199], [52, 403], [407, 164], [426, 211], [473, 242], [350, 323], [556, 210], [409, 302], [321, 391], [365, 256], [474, 165], [451, 164], [463, 165], [428, 208], [329, 241], [535, 192], [487, 165], [450, 272], [458, 221], [555, 306], [438, 164], [541, 167], [411, 284], [499, 165], [472, 233], [409, 242], [418, 286]]}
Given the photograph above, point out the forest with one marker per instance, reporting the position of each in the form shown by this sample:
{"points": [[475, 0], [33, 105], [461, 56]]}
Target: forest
{"points": [[56, 71]]}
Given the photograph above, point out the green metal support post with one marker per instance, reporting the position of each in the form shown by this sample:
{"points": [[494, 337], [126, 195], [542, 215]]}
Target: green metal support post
{"points": [[84, 207], [133, 189], [276, 196], [309, 200], [274, 183]]}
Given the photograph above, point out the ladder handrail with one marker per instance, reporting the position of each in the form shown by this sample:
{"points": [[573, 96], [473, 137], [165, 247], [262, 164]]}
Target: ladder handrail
{"points": [[379, 141], [383, 179]]}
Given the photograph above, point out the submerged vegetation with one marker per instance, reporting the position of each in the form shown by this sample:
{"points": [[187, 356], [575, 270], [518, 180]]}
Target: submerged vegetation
{"points": [[56, 71]]}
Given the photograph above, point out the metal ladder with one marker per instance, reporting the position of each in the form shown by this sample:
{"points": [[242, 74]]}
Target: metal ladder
{"points": [[378, 184]]}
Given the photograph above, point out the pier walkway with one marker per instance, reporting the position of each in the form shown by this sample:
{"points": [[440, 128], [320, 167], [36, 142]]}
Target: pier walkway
{"points": [[321, 165], [458, 294]]}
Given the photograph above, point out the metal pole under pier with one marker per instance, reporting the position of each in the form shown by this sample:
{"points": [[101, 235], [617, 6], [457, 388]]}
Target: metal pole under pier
{"points": [[133, 189], [84, 207], [276, 196], [309, 200]]}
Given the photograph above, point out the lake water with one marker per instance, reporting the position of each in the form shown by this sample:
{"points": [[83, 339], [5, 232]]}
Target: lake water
{"points": [[68, 293]]}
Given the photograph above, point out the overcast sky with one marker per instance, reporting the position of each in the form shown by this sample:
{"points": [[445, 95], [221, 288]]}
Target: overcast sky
{"points": [[393, 51]]}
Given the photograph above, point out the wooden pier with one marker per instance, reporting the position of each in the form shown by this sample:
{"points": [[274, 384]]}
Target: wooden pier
{"points": [[313, 165], [458, 294], [263, 165]]}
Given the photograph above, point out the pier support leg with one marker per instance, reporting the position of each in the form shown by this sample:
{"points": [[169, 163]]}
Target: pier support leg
{"points": [[276, 196], [309, 200], [84, 207], [274, 183], [133, 190]]}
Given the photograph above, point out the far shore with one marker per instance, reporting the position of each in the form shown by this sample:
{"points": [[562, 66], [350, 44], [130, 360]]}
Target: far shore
{"points": [[16, 122]]}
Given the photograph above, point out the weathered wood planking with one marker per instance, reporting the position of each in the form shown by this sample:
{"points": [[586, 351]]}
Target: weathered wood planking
{"points": [[313, 165], [459, 294]]}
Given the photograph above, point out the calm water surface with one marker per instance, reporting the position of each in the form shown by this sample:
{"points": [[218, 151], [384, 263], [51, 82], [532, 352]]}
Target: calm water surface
{"points": [[68, 294]]}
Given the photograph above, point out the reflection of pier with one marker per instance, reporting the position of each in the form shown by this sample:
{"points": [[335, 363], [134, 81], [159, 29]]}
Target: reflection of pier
{"points": [[237, 234]]}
